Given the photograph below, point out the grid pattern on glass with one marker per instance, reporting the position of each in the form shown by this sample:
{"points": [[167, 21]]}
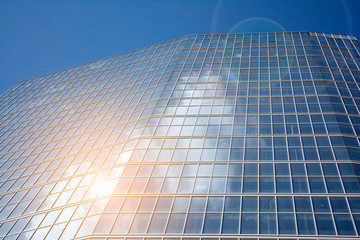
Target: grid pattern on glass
{"points": [[254, 134]]}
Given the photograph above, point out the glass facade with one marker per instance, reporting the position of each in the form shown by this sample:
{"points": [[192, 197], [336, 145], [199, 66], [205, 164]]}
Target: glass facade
{"points": [[230, 136]]}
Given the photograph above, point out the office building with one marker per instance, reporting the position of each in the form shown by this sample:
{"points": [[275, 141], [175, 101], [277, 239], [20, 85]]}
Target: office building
{"points": [[224, 136]]}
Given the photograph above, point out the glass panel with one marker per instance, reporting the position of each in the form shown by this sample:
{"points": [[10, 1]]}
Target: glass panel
{"points": [[339, 205], [198, 204], [157, 224], [215, 204], [286, 224], [354, 204], [324, 224], [267, 204], [234, 185], [305, 223], [181, 204], [176, 223], [321, 204], [194, 223], [230, 223], [232, 204], [249, 223], [122, 223], [212, 223], [302, 204], [250, 185], [140, 223], [344, 225], [249, 204], [267, 223], [284, 204]]}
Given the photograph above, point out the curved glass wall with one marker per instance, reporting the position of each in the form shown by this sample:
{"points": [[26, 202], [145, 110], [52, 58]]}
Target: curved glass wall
{"points": [[230, 136]]}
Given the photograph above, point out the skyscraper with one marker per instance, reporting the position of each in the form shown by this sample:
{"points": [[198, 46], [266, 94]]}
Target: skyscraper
{"points": [[232, 136]]}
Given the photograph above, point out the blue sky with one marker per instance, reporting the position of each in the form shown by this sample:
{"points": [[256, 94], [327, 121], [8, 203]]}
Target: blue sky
{"points": [[39, 37]]}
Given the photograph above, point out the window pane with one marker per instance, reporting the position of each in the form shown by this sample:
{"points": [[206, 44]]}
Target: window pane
{"points": [[232, 204], [267, 204], [234, 185], [266, 184], [194, 223], [284, 204], [215, 204], [230, 223], [283, 185], [286, 224], [212, 223], [344, 225], [339, 205], [181, 204], [354, 204], [249, 223], [302, 204], [300, 185], [140, 223], [321, 204], [250, 185], [267, 223], [305, 223], [197, 204], [176, 223], [249, 204], [324, 224], [333, 185], [157, 224]]}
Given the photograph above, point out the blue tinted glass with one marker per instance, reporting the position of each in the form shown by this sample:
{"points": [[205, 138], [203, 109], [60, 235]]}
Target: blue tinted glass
{"points": [[330, 169], [249, 223], [267, 204], [232, 204], [351, 185], [217, 185], [285, 204], [305, 223], [230, 223], [283, 185], [250, 170], [282, 169], [197, 204], [339, 205], [266, 184], [286, 224], [235, 170], [266, 170], [354, 203], [300, 185], [280, 154], [297, 169], [333, 185], [212, 223], [344, 224], [313, 169], [316, 185], [194, 223], [214, 204], [294, 141], [357, 222], [250, 185], [249, 204], [302, 204], [321, 204], [267, 223], [346, 169], [234, 185], [324, 224]]}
